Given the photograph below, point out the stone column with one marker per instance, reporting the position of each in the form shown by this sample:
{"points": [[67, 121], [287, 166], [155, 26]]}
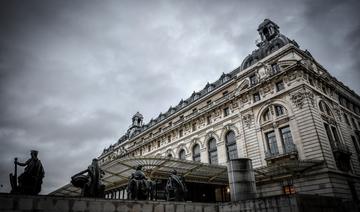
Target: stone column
{"points": [[241, 179]]}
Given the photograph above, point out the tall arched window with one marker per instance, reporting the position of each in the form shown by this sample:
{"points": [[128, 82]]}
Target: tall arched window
{"points": [[182, 154], [276, 127], [196, 152], [273, 112], [335, 140], [231, 145], [213, 158], [324, 108]]}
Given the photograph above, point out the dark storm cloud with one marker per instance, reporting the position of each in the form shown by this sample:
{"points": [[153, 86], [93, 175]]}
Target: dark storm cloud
{"points": [[73, 72]]}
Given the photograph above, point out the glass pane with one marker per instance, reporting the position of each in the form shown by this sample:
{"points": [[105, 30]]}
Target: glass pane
{"points": [[279, 110], [287, 139], [213, 157], [212, 144], [230, 137], [196, 153], [231, 145], [272, 145], [182, 154]]}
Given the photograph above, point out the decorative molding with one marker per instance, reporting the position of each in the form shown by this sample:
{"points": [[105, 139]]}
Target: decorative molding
{"points": [[227, 128], [298, 98], [212, 134], [247, 118], [182, 146]]}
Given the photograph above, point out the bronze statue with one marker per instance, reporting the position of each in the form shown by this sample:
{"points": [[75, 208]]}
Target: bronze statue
{"points": [[175, 189], [30, 181], [90, 184], [139, 187]]}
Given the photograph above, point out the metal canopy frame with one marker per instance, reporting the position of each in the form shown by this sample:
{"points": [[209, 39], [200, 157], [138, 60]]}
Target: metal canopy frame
{"points": [[292, 167], [118, 171]]}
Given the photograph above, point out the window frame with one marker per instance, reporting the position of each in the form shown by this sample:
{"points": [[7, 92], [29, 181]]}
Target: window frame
{"points": [[231, 147], [196, 156], [212, 150], [180, 154]]}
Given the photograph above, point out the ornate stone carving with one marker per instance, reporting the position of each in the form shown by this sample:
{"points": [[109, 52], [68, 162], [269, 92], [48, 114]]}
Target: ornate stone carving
{"points": [[268, 70], [267, 89], [337, 112], [235, 105], [299, 98], [247, 118]]}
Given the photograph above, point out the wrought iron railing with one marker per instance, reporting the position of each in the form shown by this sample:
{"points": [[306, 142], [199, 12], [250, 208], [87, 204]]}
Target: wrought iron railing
{"points": [[340, 147], [289, 149]]}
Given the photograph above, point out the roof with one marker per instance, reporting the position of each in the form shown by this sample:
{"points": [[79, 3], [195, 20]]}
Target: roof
{"points": [[117, 172], [224, 78]]}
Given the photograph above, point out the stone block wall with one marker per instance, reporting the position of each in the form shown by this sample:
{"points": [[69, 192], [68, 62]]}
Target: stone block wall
{"points": [[296, 203]]}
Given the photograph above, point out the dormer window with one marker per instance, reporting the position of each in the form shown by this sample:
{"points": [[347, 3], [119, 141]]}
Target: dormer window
{"points": [[275, 68], [196, 96], [253, 79], [210, 88], [172, 110], [183, 104], [268, 30], [225, 78]]}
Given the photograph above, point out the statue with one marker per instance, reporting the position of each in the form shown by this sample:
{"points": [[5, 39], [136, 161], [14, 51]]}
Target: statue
{"points": [[30, 181], [90, 184], [139, 187], [175, 187]]}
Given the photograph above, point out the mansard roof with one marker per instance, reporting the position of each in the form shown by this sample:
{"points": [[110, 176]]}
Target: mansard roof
{"points": [[224, 78]]}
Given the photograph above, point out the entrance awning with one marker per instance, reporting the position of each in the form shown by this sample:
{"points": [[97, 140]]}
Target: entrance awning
{"points": [[287, 168], [118, 171]]}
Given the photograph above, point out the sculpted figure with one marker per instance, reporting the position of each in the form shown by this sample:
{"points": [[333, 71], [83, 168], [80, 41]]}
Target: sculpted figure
{"points": [[30, 181], [175, 187], [90, 184], [139, 187]]}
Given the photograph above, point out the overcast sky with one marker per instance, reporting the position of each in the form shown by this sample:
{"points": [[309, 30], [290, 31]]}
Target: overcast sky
{"points": [[72, 73]]}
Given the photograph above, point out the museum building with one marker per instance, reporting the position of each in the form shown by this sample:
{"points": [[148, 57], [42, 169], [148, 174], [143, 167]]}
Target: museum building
{"points": [[299, 125]]}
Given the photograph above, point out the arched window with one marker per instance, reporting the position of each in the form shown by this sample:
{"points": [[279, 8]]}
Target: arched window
{"points": [[266, 115], [213, 158], [332, 132], [324, 108], [273, 112], [279, 110], [231, 145], [277, 131], [182, 154], [196, 152], [169, 155]]}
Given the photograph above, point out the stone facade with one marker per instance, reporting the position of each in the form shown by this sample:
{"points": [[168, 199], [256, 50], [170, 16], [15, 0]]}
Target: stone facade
{"points": [[279, 107]]}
